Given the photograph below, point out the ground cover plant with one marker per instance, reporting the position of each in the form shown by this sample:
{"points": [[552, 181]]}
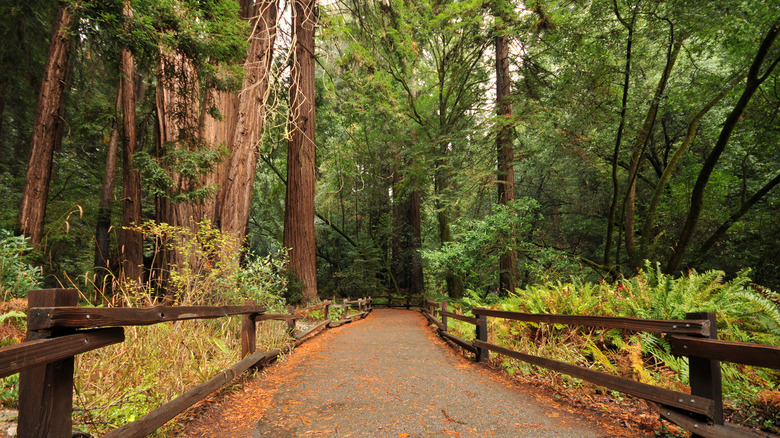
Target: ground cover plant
{"points": [[121, 383], [745, 312]]}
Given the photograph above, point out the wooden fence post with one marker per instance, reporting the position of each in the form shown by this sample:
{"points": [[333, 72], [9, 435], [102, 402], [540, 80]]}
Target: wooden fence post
{"points": [[327, 311], [46, 391], [248, 333], [704, 374], [482, 331], [443, 306], [291, 322]]}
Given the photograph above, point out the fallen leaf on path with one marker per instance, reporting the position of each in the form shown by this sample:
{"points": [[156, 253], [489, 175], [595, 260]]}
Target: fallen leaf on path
{"points": [[450, 419]]}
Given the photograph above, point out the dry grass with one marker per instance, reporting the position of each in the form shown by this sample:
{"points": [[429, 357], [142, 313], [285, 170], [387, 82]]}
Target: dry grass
{"points": [[155, 364]]}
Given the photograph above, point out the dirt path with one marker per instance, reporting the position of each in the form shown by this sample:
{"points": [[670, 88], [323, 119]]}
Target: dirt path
{"points": [[386, 376]]}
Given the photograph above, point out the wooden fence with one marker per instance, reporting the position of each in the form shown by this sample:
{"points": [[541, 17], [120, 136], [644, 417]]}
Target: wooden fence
{"points": [[389, 300], [57, 330], [700, 412]]}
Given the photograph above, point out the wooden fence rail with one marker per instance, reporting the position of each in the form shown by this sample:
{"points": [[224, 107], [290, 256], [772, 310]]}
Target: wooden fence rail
{"points": [[57, 330], [700, 412], [399, 301]]}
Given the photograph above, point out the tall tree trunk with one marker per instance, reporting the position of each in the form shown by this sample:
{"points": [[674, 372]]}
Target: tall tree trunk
{"points": [[507, 273], [754, 80], [736, 216], [407, 233], [299, 200], [131, 241], [218, 133], [414, 218], [675, 159], [629, 25], [32, 210], [178, 124], [3, 94], [675, 43], [178, 128], [240, 172], [102, 237], [399, 231]]}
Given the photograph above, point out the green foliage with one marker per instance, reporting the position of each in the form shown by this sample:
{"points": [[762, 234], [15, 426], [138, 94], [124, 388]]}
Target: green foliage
{"points": [[189, 166], [262, 279], [9, 392], [745, 313], [361, 276], [17, 276], [206, 268], [12, 314], [478, 244], [209, 33]]}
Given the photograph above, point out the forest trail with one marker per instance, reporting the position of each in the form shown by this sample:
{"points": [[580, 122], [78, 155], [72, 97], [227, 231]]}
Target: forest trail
{"points": [[387, 376]]}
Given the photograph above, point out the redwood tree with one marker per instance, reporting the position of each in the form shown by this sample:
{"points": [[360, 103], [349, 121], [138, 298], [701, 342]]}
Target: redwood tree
{"points": [[238, 183], [299, 200], [102, 238], [32, 209], [507, 277], [131, 241]]}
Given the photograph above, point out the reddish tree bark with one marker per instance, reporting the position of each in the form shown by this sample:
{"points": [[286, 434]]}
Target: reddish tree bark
{"points": [[102, 238], [299, 200], [218, 132], [32, 209], [238, 182], [131, 241], [407, 236], [178, 125], [507, 277]]}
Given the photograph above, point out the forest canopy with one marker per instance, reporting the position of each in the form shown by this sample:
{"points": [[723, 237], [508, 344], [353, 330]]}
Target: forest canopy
{"points": [[437, 145]]}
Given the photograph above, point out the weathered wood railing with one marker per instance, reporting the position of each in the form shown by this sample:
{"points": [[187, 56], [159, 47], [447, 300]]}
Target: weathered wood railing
{"points": [[364, 307], [700, 412], [57, 330], [399, 301]]}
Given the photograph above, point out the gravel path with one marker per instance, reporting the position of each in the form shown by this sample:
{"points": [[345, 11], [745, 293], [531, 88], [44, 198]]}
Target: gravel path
{"points": [[386, 376]]}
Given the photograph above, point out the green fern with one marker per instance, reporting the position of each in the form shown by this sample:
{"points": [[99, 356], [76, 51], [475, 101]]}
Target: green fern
{"points": [[767, 302], [12, 314]]}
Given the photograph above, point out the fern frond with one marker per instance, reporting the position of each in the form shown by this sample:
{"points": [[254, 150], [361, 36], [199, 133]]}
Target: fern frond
{"points": [[768, 307]]}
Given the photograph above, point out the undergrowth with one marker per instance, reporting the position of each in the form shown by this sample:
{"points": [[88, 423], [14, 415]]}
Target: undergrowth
{"points": [[121, 383], [745, 313]]}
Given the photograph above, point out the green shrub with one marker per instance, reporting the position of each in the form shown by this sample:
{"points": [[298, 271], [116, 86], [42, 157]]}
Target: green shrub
{"points": [[745, 313], [206, 268], [16, 275], [474, 253]]}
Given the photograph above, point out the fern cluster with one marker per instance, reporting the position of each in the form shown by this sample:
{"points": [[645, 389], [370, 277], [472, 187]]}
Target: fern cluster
{"points": [[745, 313]]}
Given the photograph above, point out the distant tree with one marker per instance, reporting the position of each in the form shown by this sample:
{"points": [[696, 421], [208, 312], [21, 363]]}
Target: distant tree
{"points": [[102, 236], [761, 68], [507, 272]]}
